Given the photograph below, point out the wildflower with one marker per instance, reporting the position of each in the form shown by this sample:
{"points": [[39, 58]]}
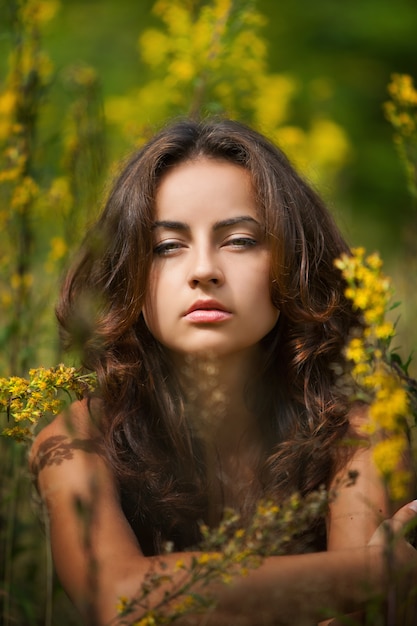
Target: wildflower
{"points": [[386, 392], [401, 112], [122, 604], [356, 351], [28, 400], [203, 559], [387, 455]]}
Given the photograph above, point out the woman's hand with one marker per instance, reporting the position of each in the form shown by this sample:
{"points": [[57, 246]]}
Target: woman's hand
{"points": [[390, 535], [399, 565]]}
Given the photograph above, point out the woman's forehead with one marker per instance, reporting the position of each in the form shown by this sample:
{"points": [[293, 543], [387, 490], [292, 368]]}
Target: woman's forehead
{"points": [[206, 187]]}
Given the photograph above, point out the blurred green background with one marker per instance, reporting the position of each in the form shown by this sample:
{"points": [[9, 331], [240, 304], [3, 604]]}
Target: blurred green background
{"points": [[341, 54]]}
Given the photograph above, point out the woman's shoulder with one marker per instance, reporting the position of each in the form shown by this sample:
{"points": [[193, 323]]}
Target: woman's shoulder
{"points": [[70, 438], [79, 420]]}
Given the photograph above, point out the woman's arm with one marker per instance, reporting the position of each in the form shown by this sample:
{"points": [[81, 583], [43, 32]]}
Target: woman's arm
{"points": [[98, 558], [361, 504]]}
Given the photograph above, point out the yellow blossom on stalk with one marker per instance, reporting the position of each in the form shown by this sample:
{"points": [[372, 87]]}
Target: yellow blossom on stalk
{"points": [[207, 558], [273, 100], [377, 381], [210, 57], [24, 194], [58, 250], [18, 281], [388, 408], [18, 433], [122, 604], [402, 89], [28, 400], [7, 102], [401, 112], [355, 350], [387, 455], [227, 551], [369, 289], [39, 12], [58, 196], [7, 105], [185, 605]]}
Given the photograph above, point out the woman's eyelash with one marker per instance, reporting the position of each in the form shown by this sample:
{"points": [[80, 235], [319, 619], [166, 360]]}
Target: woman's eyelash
{"points": [[242, 242], [166, 247]]}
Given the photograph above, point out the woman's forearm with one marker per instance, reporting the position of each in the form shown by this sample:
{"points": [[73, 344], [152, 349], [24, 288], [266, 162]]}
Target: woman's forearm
{"points": [[299, 589]]}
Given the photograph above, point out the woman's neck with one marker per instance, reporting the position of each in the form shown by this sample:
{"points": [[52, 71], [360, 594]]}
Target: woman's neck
{"points": [[216, 405], [215, 390]]}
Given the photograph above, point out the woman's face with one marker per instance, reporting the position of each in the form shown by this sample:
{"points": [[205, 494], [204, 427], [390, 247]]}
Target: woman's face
{"points": [[209, 287]]}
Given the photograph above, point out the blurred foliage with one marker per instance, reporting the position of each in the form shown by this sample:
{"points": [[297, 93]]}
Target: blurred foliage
{"points": [[341, 57], [211, 58]]}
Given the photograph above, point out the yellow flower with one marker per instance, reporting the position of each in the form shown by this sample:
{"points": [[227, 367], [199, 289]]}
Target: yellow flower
{"points": [[387, 455], [355, 351], [374, 261], [122, 604], [25, 193], [384, 330], [226, 579], [207, 558], [273, 100], [57, 252]]}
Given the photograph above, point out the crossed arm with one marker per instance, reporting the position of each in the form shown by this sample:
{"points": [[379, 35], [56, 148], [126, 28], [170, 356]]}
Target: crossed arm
{"points": [[98, 558]]}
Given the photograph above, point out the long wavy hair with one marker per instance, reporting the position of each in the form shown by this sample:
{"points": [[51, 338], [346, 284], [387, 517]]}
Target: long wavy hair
{"points": [[156, 456]]}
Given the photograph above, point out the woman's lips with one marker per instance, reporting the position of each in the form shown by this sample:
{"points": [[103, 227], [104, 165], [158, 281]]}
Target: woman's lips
{"points": [[207, 311], [207, 316]]}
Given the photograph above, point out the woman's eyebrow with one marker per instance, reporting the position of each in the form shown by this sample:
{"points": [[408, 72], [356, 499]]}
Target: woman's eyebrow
{"points": [[170, 225], [231, 221]]}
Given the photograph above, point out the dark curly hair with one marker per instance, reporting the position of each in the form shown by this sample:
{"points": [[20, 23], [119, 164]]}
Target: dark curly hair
{"points": [[157, 458]]}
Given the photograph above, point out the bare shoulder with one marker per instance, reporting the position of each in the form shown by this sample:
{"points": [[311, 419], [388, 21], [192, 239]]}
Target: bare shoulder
{"points": [[68, 453], [73, 428], [76, 420], [80, 493]]}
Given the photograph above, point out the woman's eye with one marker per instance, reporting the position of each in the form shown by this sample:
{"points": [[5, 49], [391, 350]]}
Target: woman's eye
{"points": [[242, 242], [166, 247]]}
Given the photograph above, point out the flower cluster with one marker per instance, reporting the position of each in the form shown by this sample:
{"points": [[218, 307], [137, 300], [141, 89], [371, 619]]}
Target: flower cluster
{"points": [[211, 58], [26, 401], [29, 199], [377, 373], [229, 550], [401, 112]]}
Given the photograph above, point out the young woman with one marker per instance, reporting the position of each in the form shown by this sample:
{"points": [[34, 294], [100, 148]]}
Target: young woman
{"points": [[206, 300]]}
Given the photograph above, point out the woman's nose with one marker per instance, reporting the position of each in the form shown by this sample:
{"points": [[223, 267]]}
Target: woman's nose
{"points": [[205, 269]]}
